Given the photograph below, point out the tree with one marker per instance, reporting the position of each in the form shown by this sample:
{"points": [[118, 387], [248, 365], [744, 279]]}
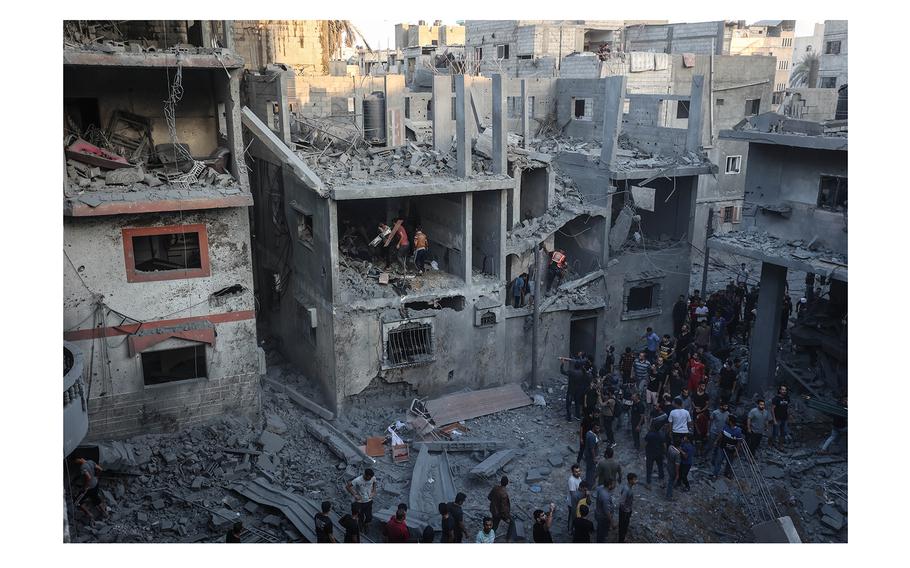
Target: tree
{"points": [[805, 73]]}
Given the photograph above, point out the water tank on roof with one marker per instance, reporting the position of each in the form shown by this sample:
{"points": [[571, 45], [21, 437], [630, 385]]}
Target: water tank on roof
{"points": [[374, 118]]}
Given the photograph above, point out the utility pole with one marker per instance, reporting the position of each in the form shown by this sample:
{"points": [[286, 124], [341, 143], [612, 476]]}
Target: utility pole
{"points": [[537, 299], [704, 270]]}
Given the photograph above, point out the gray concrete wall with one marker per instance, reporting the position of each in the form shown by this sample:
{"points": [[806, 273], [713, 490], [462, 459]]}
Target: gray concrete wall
{"points": [[830, 65], [122, 405], [790, 176], [697, 37], [566, 90]]}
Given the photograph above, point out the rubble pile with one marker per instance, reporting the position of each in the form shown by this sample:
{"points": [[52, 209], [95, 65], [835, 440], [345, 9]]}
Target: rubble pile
{"points": [[774, 246]]}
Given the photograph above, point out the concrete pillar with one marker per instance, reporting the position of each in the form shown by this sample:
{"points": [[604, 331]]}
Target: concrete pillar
{"points": [[441, 115], [462, 129], [228, 28], [394, 110], [614, 96], [231, 99], [500, 131], [516, 198], [502, 230], [525, 114], [765, 334], [468, 238], [693, 134]]}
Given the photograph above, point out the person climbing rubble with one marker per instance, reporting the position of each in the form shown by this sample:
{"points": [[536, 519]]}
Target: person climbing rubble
{"points": [[88, 471], [400, 250], [557, 268]]}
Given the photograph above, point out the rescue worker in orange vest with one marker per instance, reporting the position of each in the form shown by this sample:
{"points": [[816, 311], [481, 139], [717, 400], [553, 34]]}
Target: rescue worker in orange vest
{"points": [[420, 246], [556, 268]]}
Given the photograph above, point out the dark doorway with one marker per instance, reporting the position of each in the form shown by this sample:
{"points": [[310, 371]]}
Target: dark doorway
{"points": [[583, 336]]}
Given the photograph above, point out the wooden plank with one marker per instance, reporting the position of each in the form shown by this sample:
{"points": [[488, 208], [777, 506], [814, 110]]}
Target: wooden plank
{"points": [[464, 406], [375, 447]]}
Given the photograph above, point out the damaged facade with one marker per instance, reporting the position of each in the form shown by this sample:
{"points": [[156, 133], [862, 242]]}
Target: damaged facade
{"points": [[158, 288], [796, 220]]}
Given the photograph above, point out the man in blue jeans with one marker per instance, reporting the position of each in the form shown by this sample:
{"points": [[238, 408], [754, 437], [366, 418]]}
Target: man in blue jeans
{"points": [[780, 412], [726, 445], [590, 453], [673, 460]]}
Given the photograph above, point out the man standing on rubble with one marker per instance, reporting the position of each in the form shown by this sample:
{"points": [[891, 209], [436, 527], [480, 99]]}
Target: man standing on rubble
{"points": [[575, 386], [603, 509], [652, 341], [590, 455], [518, 290], [654, 453], [780, 411], [757, 425], [574, 494], [680, 314], [89, 471], [420, 249], [363, 489], [501, 506], [400, 250], [323, 524], [396, 529], [642, 368], [556, 268], [626, 496], [456, 511], [636, 420]]}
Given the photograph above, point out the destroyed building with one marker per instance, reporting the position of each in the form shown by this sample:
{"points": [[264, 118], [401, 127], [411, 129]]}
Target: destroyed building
{"points": [[487, 199], [795, 219], [158, 287]]}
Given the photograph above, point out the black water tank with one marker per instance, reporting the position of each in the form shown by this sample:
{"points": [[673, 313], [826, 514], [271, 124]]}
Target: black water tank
{"points": [[841, 112], [374, 118]]}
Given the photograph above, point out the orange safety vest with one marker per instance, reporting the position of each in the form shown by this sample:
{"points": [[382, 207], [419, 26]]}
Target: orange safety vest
{"points": [[559, 259]]}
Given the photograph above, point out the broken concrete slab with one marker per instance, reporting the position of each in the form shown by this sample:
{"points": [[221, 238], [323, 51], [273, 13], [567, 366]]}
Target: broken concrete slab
{"points": [[459, 407], [431, 482], [461, 445], [275, 424], [556, 460], [340, 445], [810, 501], [300, 399], [124, 176], [492, 464], [271, 443]]}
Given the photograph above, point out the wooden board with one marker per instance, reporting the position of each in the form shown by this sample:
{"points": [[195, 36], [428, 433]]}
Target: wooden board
{"points": [[464, 406], [375, 447]]}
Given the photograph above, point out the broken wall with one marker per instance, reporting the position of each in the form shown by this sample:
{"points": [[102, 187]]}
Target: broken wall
{"points": [[568, 90], [790, 176], [121, 404], [141, 91], [297, 43], [487, 226]]}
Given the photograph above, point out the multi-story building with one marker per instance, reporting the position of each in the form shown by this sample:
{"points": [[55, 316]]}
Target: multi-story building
{"points": [[808, 44], [620, 206], [832, 65], [535, 48], [773, 38], [795, 219], [429, 50], [158, 288]]}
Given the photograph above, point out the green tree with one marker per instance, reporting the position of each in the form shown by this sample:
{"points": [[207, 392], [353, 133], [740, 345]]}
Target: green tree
{"points": [[805, 73]]}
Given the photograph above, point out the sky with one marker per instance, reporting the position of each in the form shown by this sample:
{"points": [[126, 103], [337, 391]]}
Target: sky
{"points": [[381, 33]]}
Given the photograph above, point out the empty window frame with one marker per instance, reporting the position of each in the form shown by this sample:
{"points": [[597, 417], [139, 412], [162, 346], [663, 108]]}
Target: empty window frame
{"points": [[753, 106], [171, 365], [719, 102], [582, 109], [407, 107], [641, 298], [502, 51], [409, 344], [734, 164], [832, 193], [777, 98], [832, 48], [513, 105], [682, 109], [827, 82], [727, 214], [488, 318], [304, 222], [166, 253]]}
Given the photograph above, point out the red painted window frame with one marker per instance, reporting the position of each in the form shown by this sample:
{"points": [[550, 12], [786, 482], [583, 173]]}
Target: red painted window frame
{"points": [[133, 275]]}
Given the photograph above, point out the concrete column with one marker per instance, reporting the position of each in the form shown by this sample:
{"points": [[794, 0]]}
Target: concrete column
{"points": [[503, 230], [394, 110], [516, 198], [235, 129], [284, 115], [500, 131], [468, 240], [614, 95], [525, 114], [228, 28], [693, 134], [441, 115], [766, 332], [462, 128]]}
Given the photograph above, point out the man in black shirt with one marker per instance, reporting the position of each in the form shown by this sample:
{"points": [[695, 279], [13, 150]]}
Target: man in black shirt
{"points": [[726, 382], [583, 526], [575, 387], [447, 523], [351, 524], [542, 523], [324, 526], [636, 420], [680, 313], [457, 515], [780, 412]]}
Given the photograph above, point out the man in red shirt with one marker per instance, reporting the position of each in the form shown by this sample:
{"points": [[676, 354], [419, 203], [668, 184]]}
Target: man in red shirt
{"points": [[396, 530], [400, 250], [696, 372]]}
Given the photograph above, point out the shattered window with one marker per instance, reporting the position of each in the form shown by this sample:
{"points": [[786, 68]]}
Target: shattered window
{"points": [[682, 109], [174, 251], [753, 106], [171, 365], [832, 48], [488, 318], [734, 164], [827, 82], [641, 298], [410, 344], [305, 228], [832, 193]]}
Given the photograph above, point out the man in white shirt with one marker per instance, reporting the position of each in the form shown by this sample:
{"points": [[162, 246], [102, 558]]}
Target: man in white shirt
{"points": [[701, 312], [680, 420], [573, 495], [363, 489]]}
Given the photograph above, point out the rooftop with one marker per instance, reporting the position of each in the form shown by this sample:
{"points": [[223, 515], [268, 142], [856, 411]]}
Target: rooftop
{"points": [[630, 162], [777, 129]]}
